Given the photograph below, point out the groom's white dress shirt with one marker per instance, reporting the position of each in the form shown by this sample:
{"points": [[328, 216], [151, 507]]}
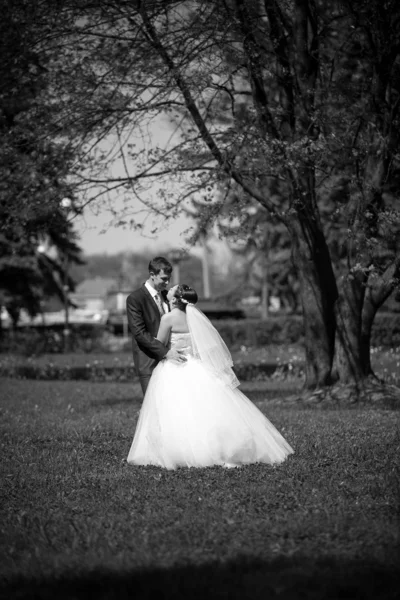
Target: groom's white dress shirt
{"points": [[154, 293]]}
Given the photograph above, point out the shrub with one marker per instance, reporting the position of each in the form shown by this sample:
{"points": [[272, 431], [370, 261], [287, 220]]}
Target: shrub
{"points": [[253, 333], [386, 330], [289, 330], [257, 333], [29, 341]]}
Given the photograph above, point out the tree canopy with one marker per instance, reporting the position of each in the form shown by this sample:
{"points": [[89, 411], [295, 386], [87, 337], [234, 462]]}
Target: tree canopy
{"points": [[290, 104], [35, 163]]}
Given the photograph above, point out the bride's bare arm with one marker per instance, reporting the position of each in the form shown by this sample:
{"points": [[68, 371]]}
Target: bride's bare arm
{"points": [[163, 336], [164, 331]]}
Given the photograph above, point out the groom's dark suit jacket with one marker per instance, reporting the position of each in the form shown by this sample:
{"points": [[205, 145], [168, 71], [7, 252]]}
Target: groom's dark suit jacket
{"points": [[144, 321]]}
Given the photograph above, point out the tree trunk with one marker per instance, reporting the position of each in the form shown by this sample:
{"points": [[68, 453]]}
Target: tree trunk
{"points": [[14, 314], [368, 316], [264, 293], [318, 292], [348, 310], [378, 291]]}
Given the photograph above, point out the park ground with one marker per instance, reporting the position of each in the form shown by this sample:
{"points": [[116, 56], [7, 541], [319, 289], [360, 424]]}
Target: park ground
{"points": [[78, 522]]}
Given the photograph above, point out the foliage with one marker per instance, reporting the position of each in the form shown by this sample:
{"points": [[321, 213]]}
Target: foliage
{"points": [[35, 162], [288, 329], [263, 244], [110, 266], [35, 157], [260, 336], [92, 361], [28, 276], [31, 341], [294, 107], [251, 364], [130, 271], [78, 521]]}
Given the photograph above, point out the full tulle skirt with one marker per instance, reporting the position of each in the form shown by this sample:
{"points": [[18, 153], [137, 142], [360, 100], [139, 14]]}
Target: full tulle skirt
{"points": [[190, 418]]}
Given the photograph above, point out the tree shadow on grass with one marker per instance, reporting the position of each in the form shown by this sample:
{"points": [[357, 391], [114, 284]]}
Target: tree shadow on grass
{"points": [[283, 578]]}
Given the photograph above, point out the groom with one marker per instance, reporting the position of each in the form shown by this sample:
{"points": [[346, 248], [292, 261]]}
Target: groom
{"points": [[145, 307]]}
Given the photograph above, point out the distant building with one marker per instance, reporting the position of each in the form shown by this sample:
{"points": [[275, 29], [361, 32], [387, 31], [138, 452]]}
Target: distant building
{"points": [[94, 294], [105, 296], [116, 299]]}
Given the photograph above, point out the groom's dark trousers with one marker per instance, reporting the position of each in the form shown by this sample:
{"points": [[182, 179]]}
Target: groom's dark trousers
{"points": [[144, 321]]}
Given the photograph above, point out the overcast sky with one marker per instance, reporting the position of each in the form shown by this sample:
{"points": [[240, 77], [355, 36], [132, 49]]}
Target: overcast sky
{"points": [[93, 238], [95, 227]]}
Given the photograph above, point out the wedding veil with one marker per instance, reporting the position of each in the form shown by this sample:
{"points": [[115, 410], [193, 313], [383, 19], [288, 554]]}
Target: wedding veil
{"points": [[209, 346]]}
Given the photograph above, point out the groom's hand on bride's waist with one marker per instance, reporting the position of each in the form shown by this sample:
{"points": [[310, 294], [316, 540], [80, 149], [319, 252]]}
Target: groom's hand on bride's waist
{"points": [[176, 355]]}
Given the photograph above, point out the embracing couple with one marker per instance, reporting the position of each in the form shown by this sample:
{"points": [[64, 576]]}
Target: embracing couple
{"points": [[193, 414]]}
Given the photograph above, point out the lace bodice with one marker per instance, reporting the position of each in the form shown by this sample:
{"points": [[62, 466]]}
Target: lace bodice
{"points": [[183, 341]]}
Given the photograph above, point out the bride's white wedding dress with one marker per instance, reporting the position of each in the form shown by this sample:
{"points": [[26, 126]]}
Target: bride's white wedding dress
{"points": [[190, 417]]}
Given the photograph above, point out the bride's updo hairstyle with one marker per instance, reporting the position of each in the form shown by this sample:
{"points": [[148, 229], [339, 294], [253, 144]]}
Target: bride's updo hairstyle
{"points": [[185, 295]]}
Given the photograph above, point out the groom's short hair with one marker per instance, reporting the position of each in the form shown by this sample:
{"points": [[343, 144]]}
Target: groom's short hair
{"points": [[159, 263]]}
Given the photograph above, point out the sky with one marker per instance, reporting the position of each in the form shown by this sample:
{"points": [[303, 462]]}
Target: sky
{"points": [[98, 233]]}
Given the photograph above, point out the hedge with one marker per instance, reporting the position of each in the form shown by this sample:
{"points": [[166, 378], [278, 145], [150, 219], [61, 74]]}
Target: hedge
{"points": [[83, 338], [289, 330], [257, 333], [386, 330], [95, 338], [249, 333]]}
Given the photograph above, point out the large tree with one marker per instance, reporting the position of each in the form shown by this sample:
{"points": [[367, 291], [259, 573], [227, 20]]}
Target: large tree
{"points": [[35, 162], [299, 92]]}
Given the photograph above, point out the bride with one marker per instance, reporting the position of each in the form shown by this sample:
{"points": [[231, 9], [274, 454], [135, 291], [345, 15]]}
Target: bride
{"points": [[193, 415]]}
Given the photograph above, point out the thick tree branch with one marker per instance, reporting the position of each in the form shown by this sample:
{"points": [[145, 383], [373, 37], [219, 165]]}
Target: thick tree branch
{"points": [[252, 50], [247, 186], [280, 40]]}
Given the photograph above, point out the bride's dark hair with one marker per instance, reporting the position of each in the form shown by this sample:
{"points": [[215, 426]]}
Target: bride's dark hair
{"points": [[185, 294]]}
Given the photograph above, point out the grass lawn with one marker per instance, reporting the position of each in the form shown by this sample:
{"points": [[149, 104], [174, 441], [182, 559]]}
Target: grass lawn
{"points": [[78, 522]]}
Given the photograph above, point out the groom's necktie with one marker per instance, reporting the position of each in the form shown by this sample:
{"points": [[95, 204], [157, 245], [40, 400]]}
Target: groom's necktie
{"points": [[159, 303]]}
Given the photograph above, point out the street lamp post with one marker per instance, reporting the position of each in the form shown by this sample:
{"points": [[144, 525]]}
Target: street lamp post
{"points": [[66, 204], [66, 330], [42, 250]]}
